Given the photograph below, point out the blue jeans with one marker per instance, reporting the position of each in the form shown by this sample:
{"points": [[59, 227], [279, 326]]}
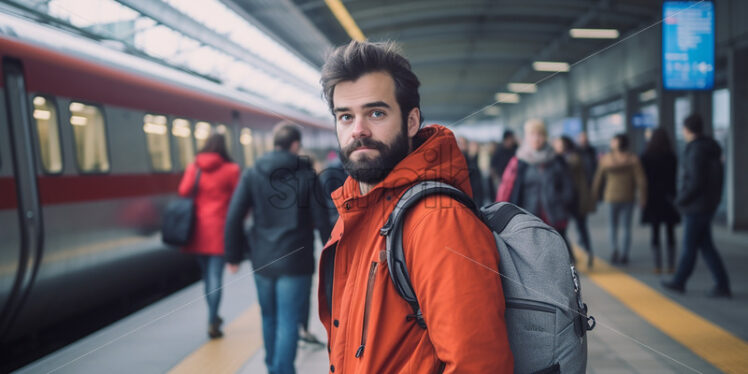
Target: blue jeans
{"points": [[624, 212], [282, 300], [697, 235], [212, 270]]}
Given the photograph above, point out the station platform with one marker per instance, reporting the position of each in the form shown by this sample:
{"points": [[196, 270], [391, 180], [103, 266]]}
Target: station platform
{"points": [[641, 328]]}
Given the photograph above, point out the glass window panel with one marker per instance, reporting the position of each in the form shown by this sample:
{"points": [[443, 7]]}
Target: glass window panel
{"points": [[157, 139], [181, 130], [90, 137], [47, 130], [228, 135], [202, 132], [247, 142]]}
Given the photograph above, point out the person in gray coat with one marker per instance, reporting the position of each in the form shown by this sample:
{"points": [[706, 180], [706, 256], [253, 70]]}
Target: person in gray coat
{"points": [[285, 197]]}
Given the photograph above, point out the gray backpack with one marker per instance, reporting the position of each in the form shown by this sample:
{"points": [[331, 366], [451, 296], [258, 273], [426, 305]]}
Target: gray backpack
{"points": [[545, 316]]}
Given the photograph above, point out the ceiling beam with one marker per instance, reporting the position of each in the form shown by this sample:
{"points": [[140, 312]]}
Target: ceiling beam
{"points": [[287, 24], [167, 15]]}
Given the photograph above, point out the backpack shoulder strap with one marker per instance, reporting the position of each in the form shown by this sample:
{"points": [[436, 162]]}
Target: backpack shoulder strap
{"points": [[393, 233]]}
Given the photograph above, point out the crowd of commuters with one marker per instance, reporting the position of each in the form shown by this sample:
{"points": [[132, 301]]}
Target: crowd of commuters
{"points": [[384, 149]]}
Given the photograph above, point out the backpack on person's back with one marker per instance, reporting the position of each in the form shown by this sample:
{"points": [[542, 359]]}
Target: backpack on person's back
{"points": [[545, 316]]}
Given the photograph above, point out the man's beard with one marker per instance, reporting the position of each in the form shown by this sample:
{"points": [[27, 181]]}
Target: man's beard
{"points": [[372, 170]]}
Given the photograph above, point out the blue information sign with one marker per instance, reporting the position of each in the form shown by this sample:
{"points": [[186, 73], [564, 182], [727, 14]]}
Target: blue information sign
{"points": [[688, 45]]}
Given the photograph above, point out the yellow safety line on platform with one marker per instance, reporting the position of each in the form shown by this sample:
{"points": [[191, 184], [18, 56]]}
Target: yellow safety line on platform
{"points": [[242, 339], [720, 348]]}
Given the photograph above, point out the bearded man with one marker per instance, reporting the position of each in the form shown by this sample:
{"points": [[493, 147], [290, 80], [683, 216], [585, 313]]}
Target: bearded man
{"points": [[451, 255]]}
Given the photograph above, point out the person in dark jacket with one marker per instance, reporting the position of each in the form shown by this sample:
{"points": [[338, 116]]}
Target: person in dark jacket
{"points": [[698, 198], [588, 155], [218, 179], [660, 166], [470, 152], [538, 180], [285, 198], [585, 203]]}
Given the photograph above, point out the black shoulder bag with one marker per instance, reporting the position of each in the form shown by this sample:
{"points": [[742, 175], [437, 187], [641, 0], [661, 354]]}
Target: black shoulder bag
{"points": [[179, 218]]}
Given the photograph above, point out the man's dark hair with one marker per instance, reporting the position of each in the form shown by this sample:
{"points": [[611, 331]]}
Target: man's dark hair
{"points": [[216, 143], [350, 62], [623, 142], [285, 134], [694, 124], [507, 134], [659, 143]]}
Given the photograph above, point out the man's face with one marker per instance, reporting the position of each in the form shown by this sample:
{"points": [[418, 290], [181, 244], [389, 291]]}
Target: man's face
{"points": [[582, 139], [687, 134], [369, 125]]}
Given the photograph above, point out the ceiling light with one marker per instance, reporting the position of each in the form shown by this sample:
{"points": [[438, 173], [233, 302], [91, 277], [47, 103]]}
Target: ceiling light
{"points": [[493, 111], [594, 33], [507, 98], [523, 87], [648, 95], [550, 66]]}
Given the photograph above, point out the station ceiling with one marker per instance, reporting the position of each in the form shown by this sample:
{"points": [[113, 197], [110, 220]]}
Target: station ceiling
{"points": [[465, 51]]}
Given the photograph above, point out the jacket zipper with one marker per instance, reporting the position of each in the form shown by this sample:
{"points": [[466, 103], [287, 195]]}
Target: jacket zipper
{"points": [[367, 305]]}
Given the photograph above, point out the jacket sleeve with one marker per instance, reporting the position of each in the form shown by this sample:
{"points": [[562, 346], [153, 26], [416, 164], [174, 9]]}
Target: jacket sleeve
{"points": [[693, 177], [453, 264], [188, 180], [507, 181], [568, 191], [241, 202], [641, 182], [597, 183], [319, 209]]}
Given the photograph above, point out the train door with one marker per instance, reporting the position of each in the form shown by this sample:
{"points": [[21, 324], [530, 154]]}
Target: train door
{"points": [[20, 206]]}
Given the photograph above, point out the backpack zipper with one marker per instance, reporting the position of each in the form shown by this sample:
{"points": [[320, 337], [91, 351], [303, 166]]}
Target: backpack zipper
{"points": [[529, 305], [367, 305]]}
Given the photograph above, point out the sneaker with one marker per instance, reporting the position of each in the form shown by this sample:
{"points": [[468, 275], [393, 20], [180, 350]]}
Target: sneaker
{"points": [[672, 286], [720, 292], [214, 329], [309, 338]]}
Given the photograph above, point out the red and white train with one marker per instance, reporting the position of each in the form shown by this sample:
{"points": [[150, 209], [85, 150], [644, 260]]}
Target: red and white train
{"points": [[92, 145]]}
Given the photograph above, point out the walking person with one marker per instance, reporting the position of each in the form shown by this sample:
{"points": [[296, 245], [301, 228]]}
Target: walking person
{"points": [[470, 150], [585, 203], [699, 195], [538, 180], [218, 179], [660, 166], [283, 193], [625, 183], [588, 155], [501, 157], [373, 95]]}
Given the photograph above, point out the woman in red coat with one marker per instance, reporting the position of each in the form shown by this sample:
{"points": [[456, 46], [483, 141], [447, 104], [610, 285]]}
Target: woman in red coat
{"points": [[218, 179]]}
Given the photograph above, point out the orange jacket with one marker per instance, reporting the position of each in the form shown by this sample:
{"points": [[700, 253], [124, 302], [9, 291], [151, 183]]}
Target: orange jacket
{"points": [[453, 264]]}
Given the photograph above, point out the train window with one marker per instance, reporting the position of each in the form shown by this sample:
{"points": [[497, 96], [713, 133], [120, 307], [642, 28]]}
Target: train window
{"points": [[202, 132], [157, 138], [180, 129], [246, 140], [89, 133], [227, 134], [48, 133]]}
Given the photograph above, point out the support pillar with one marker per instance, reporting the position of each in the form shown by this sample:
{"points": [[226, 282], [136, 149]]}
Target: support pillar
{"points": [[737, 153]]}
